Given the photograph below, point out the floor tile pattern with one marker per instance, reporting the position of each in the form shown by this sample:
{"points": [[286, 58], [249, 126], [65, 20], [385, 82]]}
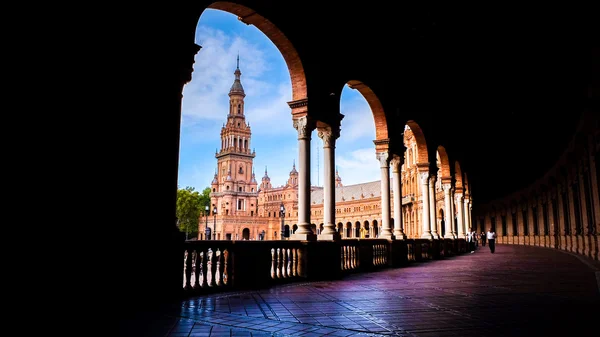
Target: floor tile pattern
{"points": [[518, 291]]}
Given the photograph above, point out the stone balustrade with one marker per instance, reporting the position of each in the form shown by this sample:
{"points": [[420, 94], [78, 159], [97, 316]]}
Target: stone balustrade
{"points": [[215, 266]]}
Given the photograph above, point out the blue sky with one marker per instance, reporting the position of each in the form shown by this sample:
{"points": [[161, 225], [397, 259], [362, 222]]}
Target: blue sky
{"points": [[267, 84]]}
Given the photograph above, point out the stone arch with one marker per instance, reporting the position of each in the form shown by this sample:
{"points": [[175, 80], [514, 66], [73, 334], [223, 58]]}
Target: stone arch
{"points": [[422, 152], [246, 233], [458, 176], [444, 162], [381, 128], [285, 46]]}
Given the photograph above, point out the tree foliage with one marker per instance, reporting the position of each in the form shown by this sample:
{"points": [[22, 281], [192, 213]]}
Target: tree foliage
{"points": [[190, 207]]}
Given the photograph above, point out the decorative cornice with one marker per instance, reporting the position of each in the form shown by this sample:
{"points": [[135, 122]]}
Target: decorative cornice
{"points": [[381, 141], [298, 103]]}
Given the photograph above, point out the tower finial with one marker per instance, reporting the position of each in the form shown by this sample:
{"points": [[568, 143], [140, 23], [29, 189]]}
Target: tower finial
{"points": [[265, 169], [294, 165], [238, 60]]}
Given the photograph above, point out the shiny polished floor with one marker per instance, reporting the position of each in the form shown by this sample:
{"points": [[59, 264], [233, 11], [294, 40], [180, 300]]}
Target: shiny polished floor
{"points": [[518, 291]]}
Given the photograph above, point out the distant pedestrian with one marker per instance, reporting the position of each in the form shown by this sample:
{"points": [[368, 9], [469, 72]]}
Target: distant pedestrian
{"points": [[491, 238], [482, 239]]}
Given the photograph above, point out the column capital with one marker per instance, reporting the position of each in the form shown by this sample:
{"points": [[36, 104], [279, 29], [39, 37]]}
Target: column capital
{"points": [[396, 163], [328, 135], [384, 159], [305, 125], [424, 177], [459, 197], [432, 180], [447, 187]]}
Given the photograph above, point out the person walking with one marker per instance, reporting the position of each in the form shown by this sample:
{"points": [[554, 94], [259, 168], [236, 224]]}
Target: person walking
{"points": [[491, 239], [471, 239], [482, 239]]}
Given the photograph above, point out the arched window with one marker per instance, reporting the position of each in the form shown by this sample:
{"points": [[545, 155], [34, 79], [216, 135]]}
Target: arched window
{"points": [[239, 109]]}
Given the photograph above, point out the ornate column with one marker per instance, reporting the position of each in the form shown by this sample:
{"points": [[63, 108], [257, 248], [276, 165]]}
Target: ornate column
{"points": [[449, 230], [467, 216], [470, 209], [384, 160], [459, 216], [396, 164], [432, 217], [453, 214], [328, 135], [305, 126], [424, 179], [594, 187]]}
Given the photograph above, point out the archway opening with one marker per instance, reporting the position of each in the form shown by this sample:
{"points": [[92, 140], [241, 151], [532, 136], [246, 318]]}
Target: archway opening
{"points": [[416, 159], [358, 173], [246, 234], [245, 74]]}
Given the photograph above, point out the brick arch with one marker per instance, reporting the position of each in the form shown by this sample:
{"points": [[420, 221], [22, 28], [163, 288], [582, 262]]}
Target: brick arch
{"points": [[458, 176], [381, 129], [287, 50], [422, 152], [466, 183], [444, 162]]}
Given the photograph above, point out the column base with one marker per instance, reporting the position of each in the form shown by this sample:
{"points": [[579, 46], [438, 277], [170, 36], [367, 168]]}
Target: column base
{"points": [[399, 236], [449, 236], [436, 236], [329, 237], [427, 236], [304, 237]]}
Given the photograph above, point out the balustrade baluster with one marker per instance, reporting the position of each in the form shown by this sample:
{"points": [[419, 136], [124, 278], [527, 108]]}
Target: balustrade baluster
{"points": [[225, 266], [209, 268], [196, 268], [293, 261], [273, 263], [289, 263], [278, 269], [188, 269], [218, 269]]}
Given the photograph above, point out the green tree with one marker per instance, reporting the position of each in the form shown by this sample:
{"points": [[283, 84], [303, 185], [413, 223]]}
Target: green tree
{"points": [[190, 206], [205, 200]]}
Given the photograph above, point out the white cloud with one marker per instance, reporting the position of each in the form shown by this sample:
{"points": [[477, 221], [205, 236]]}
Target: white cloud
{"points": [[205, 97], [358, 166], [358, 119]]}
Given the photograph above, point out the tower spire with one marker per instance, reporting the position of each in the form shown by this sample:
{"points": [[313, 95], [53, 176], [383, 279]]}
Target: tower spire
{"points": [[236, 88]]}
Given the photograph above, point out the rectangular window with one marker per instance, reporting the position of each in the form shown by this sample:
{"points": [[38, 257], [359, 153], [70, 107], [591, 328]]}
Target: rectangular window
{"points": [[240, 205]]}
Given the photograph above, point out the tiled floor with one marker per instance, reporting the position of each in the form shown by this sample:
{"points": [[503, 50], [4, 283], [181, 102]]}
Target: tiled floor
{"points": [[518, 291]]}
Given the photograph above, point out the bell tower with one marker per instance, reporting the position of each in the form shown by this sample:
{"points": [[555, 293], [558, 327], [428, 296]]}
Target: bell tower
{"points": [[234, 188]]}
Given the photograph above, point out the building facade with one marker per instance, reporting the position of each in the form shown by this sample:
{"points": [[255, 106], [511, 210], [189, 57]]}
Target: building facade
{"points": [[246, 210]]}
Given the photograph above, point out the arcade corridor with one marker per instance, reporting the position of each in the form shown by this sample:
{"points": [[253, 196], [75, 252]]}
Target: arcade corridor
{"points": [[519, 291]]}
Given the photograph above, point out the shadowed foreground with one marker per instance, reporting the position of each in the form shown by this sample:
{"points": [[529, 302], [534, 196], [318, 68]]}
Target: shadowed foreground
{"points": [[518, 291]]}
